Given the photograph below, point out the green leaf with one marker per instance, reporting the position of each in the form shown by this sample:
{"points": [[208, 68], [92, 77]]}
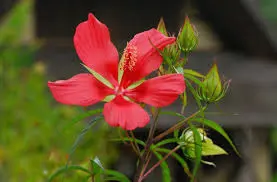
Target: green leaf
{"points": [[193, 73], [208, 163], [96, 165], [171, 113], [67, 168], [185, 100], [83, 132], [176, 133], [208, 148], [87, 178], [217, 128], [195, 94], [166, 141], [193, 79], [179, 70], [97, 169], [165, 169], [125, 139], [197, 150], [15, 22], [84, 115], [178, 158], [116, 175]]}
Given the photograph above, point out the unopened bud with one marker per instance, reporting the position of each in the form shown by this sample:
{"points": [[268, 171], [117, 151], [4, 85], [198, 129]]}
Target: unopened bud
{"points": [[161, 27], [188, 37], [171, 53], [212, 89]]}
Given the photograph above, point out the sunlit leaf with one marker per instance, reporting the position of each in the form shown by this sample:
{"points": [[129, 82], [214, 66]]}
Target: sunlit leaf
{"points": [[193, 79], [208, 163], [218, 129], [193, 73], [212, 149]]}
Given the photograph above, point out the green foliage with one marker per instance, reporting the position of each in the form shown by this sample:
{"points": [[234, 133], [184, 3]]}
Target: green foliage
{"points": [[165, 169], [216, 127], [96, 173], [36, 134]]}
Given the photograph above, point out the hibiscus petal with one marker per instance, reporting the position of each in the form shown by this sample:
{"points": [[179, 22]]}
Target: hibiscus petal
{"points": [[159, 91], [126, 114], [142, 55], [82, 89], [94, 47]]}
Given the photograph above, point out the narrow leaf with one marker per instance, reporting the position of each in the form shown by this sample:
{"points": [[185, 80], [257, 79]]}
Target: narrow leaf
{"points": [[165, 169], [85, 115], [178, 158], [218, 129], [80, 136], [193, 79], [208, 163], [116, 175], [171, 113], [166, 141], [193, 73], [125, 139], [65, 169], [195, 94], [197, 148]]}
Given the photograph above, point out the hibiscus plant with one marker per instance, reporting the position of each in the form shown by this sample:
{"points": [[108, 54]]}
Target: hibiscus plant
{"points": [[132, 101]]}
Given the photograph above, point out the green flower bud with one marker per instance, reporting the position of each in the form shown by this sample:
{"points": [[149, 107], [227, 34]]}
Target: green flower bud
{"points": [[208, 147], [171, 53], [188, 37], [161, 27], [212, 89]]}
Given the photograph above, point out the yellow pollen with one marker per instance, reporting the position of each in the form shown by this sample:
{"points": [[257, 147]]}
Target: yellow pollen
{"points": [[129, 58]]}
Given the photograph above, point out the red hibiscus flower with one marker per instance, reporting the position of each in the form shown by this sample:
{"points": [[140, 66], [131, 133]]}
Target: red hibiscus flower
{"points": [[119, 82]]}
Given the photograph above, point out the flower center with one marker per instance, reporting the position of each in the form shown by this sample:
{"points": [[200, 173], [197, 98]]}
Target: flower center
{"points": [[119, 91], [130, 55]]}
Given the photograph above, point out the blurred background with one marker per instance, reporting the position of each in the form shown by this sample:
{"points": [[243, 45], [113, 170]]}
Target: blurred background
{"points": [[37, 135]]}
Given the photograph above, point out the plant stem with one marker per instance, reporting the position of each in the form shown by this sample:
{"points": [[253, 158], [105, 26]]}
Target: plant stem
{"points": [[146, 155], [176, 126], [132, 141], [158, 163], [136, 144]]}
